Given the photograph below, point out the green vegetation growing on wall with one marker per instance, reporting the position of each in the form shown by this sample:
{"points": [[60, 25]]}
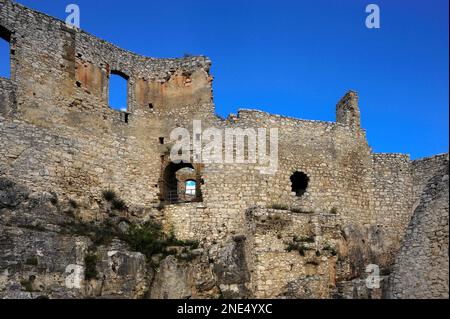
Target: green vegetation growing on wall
{"points": [[32, 261], [116, 203], [149, 239], [300, 248]]}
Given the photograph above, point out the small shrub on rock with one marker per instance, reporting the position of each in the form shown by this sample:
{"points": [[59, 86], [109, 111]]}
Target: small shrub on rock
{"points": [[109, 195], [118, 204]]}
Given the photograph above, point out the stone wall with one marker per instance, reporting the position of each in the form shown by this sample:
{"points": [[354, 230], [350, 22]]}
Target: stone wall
{"points": [[392, 196], [59, 87], [334, 157], [422, 265], [7, 97], [66, 93], [57, 67], [423, 170], [292, 255], [347, 110], [58, 135], [78, 166]]}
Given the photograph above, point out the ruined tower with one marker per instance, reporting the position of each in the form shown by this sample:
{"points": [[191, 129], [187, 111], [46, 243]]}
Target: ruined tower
{"points": [[347, 110]]}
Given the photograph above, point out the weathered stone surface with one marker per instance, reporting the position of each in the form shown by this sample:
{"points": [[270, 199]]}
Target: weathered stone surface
{"points": [[178, 279], [10, 194], [421, 267], [62, 146], [231, 269], [171, 281]]}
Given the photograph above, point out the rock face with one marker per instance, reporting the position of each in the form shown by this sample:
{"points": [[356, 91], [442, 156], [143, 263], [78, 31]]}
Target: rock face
{"points": [[231, 269], [80, 181], [46, 254], [178, 279]]}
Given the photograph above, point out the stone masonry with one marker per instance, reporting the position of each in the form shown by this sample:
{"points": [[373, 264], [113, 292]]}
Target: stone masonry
{"points": [[258, 235]]}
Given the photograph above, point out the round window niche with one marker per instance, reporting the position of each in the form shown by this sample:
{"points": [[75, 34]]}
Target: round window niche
{"points": [[299, 183]]}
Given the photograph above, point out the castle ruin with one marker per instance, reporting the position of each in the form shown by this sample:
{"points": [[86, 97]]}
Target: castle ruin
{"points": [[310, 230]]}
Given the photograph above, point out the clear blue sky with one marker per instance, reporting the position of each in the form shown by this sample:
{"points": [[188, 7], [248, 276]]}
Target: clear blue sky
{"points": [[297, 58]]}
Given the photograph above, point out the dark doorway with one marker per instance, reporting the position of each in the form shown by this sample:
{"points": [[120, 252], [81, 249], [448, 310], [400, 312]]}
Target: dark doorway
{"points": [[175, 187]]}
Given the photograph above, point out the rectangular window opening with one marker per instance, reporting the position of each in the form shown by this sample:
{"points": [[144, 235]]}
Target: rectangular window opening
{"points": [[5, 53], [118, 91]]}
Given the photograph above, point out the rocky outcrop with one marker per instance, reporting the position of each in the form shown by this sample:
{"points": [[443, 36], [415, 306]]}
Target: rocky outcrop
{"points": [[182, 279], [47, 252], [231, 269]]}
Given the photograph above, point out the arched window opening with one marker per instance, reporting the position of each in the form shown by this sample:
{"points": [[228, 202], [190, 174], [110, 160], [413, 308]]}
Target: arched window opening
{"points": [[118, 91], [299, 182], [5, 53], [180, 184]]}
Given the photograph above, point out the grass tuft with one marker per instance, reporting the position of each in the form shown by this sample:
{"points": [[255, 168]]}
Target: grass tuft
{"points": [[109, 195]]}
